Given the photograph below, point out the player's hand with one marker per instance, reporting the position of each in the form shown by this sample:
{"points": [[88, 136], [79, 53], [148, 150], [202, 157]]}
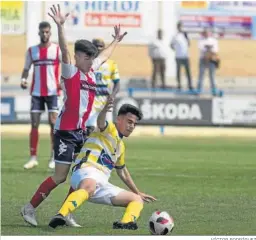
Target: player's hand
{"points": [[57, 16], [24, 84], [118, 36], [109, 105], [147, 198]]}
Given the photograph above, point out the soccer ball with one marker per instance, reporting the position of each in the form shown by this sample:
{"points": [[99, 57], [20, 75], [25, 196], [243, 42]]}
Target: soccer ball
{"points": [[160, 223]]}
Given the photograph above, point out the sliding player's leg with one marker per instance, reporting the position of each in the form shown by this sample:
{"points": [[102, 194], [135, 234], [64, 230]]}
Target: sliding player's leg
{"points": [[112, 195], [133, 205], [84, 181]]}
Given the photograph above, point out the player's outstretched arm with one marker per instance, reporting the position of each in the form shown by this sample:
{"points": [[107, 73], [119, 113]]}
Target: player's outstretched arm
{"points": [[60, 19], [118, 37], [101, 120], [125, 176]]}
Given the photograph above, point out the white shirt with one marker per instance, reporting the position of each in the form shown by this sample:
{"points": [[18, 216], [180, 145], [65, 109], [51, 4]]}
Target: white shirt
{"points": [[157, 49], [210, 41], [181, 45]]}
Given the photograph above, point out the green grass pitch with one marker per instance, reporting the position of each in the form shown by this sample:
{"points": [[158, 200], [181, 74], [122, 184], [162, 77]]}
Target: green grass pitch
{"points": [[207, 185]]}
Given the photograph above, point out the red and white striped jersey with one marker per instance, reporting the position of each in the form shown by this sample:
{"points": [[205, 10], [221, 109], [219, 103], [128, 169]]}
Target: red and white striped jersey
{"points": [[79, 91], [46, 61]]}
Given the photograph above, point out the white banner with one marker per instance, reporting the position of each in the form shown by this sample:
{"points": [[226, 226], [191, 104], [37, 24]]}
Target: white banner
{"points": [[241, 111], [95, 19]]}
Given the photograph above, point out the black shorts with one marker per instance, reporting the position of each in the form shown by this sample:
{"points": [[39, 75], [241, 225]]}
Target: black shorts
{"points": [[38, 103], [67, 144]]}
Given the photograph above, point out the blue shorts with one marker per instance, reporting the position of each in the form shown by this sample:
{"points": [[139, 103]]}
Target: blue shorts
{"points": [[38, 103], [67, 144]]}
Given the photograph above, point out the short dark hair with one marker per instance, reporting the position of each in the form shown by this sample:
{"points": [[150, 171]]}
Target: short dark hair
{"points": [[44, 25], [86, 47], [128, 108]]}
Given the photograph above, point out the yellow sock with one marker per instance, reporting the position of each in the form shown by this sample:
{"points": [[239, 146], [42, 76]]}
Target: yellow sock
{"points": [[132, 212], [73, 201]]}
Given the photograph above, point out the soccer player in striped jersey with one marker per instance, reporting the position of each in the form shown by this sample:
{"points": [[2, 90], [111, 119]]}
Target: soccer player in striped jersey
{"points": [[104, 151], [45, 87], [106, 76], [79, 85]]}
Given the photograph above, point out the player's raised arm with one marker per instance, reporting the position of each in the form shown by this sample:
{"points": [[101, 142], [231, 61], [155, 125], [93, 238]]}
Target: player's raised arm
{"points": [[101, 120], [125, 176], [105, 54], [60, 19]]}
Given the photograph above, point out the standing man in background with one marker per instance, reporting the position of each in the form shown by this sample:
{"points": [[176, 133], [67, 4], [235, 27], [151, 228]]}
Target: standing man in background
{"points": [[45, 87], [208, 47], [180, 44], [157, 52], [107, 73]]}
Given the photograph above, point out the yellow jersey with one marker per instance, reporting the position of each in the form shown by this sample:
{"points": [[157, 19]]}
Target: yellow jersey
{"points": [[108, 73], [104, 150]]}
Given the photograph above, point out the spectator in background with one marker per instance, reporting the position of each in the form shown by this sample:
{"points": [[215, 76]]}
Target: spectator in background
{"points": [[157, 52], [208, 47], [180, 44]]}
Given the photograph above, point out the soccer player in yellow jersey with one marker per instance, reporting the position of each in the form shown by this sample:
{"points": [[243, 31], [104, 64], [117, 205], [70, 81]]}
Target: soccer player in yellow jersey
{"points": [[107, 83], [102, 152]]}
